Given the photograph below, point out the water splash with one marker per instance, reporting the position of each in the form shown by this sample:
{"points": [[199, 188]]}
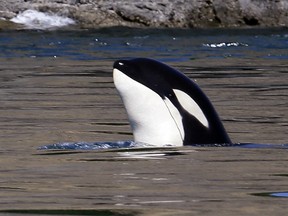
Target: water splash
{"points": [[33, 19], [96, 145], [88, 145]]}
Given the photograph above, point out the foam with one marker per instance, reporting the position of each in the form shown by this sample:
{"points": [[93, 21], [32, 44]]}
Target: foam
{"points": [[223, 44], [33, 19]]}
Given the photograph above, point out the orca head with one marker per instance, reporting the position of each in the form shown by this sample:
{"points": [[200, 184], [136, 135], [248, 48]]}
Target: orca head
{"points": [[164, 106]]}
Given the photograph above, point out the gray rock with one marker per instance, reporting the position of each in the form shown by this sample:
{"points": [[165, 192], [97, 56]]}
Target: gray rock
{"points": [[159, 13]]}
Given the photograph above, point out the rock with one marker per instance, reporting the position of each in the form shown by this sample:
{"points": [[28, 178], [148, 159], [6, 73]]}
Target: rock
{"points": [[7, 25], [158, 13]]}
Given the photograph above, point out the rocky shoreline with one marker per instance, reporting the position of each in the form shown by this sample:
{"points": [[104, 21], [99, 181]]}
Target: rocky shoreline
{"points": [[159, 13]]}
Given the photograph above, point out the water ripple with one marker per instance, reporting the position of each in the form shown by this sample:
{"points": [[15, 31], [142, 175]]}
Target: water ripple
{"points": [[132, 144], [224, 44], [165, 45]]}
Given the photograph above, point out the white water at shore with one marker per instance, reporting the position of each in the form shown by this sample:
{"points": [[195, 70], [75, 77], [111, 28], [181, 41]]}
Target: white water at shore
{"points": [[33, 19]]}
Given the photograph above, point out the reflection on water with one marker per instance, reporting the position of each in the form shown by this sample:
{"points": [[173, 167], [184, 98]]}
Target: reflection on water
{"points": [[58, 100], [279, 194], [273, 194]]}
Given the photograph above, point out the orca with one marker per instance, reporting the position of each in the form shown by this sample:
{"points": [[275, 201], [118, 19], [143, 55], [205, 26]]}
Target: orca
{"points": [[164, 106]]}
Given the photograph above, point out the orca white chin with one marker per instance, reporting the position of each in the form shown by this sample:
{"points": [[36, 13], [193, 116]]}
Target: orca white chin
{"points": [[164, 106], [151, 120]]}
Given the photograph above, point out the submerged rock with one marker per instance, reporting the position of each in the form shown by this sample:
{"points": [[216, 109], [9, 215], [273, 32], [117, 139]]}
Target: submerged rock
{"points": [[159, 13]]}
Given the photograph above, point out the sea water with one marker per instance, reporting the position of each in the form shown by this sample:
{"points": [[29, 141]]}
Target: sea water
{"points": [[168, 45], [57, 87]]}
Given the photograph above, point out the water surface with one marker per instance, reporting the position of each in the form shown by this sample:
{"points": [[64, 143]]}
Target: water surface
{"points": [[57, 87]]}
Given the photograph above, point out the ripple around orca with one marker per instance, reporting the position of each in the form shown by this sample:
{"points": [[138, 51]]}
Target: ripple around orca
{"points": [[132, 144]]}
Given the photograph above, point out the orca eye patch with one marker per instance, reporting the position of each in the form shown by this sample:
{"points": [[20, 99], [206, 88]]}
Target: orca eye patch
{"points": [[191, 106]]}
